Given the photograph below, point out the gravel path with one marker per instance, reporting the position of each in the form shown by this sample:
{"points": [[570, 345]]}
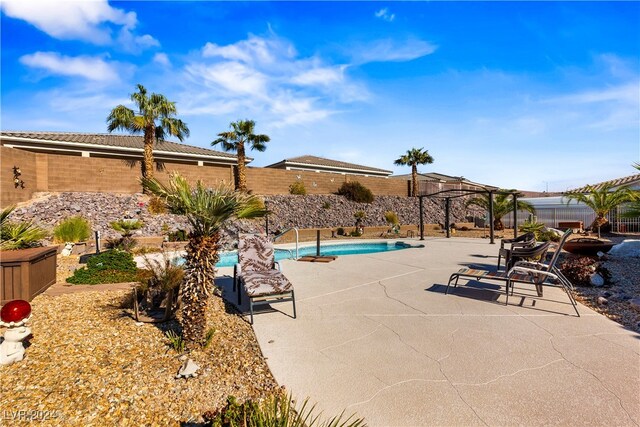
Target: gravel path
{"points": [[90, 364]]}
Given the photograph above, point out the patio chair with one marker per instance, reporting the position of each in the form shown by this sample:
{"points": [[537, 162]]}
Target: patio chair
{"points": [[259, 274], [538, 274], [527, 240]]}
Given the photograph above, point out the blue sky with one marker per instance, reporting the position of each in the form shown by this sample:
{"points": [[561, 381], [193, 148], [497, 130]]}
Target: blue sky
{"points": [[522, 95]]}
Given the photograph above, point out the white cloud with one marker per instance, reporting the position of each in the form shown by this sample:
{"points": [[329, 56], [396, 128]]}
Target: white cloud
{"points": [[162, 59], [266, 77], [91, 21], [388, 50], [384, 14], [88, 67]]}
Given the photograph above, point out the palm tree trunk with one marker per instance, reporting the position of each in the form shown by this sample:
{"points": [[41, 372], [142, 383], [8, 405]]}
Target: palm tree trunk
{"points": [[414, 180], [200, 260], [147, 162], [497, 224], [242, 178]]}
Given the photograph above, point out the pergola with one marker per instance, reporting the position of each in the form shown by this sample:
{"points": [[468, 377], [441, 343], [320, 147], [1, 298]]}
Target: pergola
{"points": [[469, 189]]}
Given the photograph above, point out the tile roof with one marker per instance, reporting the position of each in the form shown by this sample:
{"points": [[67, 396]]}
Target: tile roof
{"points": [[618, 182], [328, 163], [115, 140]]}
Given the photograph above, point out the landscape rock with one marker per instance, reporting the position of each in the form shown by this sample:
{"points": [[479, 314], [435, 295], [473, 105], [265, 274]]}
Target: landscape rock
{"points": [[635, 303], [602, 301], [596, 280]]}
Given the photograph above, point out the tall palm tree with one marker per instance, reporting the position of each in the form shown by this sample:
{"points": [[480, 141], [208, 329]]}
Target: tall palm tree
{"points": [[413, 158], [601, 201], [502, 205], [207, 211], [241, 133], [155, 118]]}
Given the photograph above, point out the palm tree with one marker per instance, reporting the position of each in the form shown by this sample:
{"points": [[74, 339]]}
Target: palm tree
{"points": [[241, 133], [502, 205], [634, 208], [414, 157], [601, 201], [155, 118], [207, 211]]}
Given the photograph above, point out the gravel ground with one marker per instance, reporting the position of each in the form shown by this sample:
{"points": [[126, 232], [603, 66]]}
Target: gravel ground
{"points": [[90, 364]]}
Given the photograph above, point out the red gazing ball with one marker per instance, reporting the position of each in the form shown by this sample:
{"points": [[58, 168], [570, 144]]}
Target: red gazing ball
{"points": [[15, 311]]}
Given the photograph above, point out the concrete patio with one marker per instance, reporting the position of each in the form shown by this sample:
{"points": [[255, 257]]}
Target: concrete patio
{"points": [[377, 336]]}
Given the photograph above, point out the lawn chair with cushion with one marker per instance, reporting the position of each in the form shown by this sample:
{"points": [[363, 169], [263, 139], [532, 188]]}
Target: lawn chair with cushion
{"points": [[527, 240], [259, 274], [526, 272]]}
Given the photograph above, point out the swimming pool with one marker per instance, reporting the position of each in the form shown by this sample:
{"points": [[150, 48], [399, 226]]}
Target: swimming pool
{"points": [[229, 259]]}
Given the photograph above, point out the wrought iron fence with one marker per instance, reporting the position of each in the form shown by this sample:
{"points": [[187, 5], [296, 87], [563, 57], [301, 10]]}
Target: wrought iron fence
{"points": [[551, 217]]}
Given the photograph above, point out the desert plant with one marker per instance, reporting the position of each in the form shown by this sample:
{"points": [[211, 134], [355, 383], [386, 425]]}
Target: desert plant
{"points": [[298, 188], [207, 211], [208, 338], [107, 267], [18, 235], [158, 290], [413, 158], [531, 226], [154, 119], [391, 218], [277, 410], [356, 192], [359, 216], [241, 133], [74, 229], [502, 205], [602, 200], [355, 233], [178, 236], [126, 226], [340, 231], [326, 205], [156, 206], [175, 341]]}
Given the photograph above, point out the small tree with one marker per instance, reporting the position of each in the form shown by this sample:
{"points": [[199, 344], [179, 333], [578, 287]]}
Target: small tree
{"points": [[602, 200], [502, 205]]}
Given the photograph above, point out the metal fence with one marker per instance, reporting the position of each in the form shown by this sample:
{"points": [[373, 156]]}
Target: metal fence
{"points": [[552, 216]]}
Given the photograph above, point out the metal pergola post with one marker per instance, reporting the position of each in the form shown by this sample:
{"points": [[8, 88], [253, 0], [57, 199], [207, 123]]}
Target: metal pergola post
{"points": [[515, 215], [421, 198], [491, 233], [447, 224]]}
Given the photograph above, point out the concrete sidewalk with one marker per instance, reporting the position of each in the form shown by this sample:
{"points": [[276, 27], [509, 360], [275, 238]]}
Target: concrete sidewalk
{"points": [[377, 336]]}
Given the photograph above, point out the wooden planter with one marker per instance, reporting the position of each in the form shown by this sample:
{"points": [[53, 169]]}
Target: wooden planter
{"points": [[25, 273]]}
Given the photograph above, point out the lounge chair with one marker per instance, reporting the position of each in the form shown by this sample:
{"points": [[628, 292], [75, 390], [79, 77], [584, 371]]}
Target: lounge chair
{"points": [[259, 274], [527, 240], [538, 274]]}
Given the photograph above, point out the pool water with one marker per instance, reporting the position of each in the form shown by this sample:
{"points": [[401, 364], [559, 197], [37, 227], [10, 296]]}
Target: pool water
{"points": [[229, 259]]}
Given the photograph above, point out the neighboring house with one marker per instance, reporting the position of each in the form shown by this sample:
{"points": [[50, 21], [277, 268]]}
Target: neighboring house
{"points": [[320, 164], [126, 147], [432, 182], [631, 181]]}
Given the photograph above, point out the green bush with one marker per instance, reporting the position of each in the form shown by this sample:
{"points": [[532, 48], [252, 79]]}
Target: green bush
{"points": [[275, 411], [74, 229], [126, 226], [326, 205], [18, 235], [356, 192], [298, 188], [178, 236], [391, 218], [107, 267]]}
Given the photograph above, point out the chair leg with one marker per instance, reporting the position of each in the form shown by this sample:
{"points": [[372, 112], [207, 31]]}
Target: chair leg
{"points": [[239, 295], [507, 292], [251, 309], [499, 258], [293, 298], [446, 291]]}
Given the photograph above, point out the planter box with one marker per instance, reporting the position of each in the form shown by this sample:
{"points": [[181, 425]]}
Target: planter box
{"points": [[26, 273]]}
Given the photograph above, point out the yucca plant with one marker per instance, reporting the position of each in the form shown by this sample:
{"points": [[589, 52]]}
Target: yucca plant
{"points": [[207, 210], [74, 229], [602, 200], [18, 235]]}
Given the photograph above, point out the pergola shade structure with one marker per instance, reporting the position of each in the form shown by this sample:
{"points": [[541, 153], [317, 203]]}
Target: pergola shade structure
{"points": [[463, 188]]}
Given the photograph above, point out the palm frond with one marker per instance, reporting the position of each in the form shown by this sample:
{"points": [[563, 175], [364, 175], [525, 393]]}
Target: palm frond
{"points": [[121, 118]]}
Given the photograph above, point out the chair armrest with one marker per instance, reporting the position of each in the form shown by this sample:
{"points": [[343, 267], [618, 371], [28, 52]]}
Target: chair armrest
{"points": [[531, 264], [524, 270]]}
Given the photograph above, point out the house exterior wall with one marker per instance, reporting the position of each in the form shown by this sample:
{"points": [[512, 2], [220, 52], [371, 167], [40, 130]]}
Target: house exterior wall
{"points": [[44, 172]]}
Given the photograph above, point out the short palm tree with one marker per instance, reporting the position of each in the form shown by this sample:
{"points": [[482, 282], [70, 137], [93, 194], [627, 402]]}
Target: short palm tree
{"points": [[602, 200], [413, 158], [154, 119], [633, 210], [241, 133], [207, 210], [502, 205]]}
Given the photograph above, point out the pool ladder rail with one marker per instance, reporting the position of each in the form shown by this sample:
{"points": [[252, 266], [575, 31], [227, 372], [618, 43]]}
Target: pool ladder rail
{"points": [[275, 238]]}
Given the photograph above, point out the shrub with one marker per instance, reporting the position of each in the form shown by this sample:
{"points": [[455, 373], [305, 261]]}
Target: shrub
{"points": [[156, 206], [578, 269], [538, 229], [178, 236], [340, 231], [356, 192], [355, 233], [326, 205], [175, 341], [126, 226], [74, 229], [391, 218], [18, 235], [298, 188], [125, 243], [277, 410], [107, 267]]}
